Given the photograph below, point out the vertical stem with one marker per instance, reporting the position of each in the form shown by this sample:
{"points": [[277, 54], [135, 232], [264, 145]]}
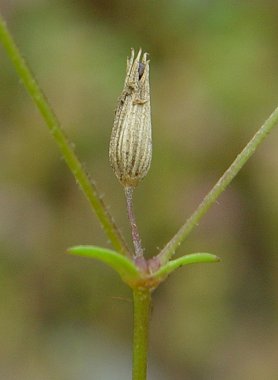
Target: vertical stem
{"points": [[131, 217], [141, 310]]}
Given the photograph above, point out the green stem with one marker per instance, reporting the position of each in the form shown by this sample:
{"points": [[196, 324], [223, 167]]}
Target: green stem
{"points": [[142, 303], [218, 188], [86, 185]]}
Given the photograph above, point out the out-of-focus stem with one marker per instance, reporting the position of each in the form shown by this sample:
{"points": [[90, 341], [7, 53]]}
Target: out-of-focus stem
{"points": [[87, 186], [218, 188]]}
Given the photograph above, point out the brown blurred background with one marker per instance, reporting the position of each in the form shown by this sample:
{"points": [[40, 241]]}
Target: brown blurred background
{"points": [[214, 81]]}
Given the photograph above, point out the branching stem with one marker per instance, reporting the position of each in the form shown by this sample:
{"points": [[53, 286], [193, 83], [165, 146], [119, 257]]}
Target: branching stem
{"points": [[169, 250], [87, 186], [141, 297]]}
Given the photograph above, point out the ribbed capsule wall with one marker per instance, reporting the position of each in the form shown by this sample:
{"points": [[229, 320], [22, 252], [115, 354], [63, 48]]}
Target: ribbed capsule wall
{"points": [[130, 149]]}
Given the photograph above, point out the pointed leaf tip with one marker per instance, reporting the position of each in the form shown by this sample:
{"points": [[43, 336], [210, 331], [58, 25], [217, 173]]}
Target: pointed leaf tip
{"points": [[193, 258]]}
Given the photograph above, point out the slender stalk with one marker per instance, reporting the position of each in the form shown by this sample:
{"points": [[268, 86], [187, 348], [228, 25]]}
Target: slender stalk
{"points": [[131, 217], [87, 186], [142, 303], [218, 188]]}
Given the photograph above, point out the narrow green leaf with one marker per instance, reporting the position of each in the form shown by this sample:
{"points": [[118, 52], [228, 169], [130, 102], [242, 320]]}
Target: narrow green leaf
{"points": [[122, 265], [193, 258]]}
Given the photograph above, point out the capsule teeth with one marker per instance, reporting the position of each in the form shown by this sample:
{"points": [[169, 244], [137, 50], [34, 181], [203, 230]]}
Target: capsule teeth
{"points": [[138, 55], [130, 62], [130, 148], [145, 58]]}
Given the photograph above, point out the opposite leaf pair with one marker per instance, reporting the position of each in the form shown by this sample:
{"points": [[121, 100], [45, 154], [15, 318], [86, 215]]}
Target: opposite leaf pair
{"points": [[131, 274]]}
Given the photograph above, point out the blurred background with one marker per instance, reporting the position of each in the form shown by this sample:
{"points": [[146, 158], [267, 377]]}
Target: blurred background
{"points": [[214, 81]]}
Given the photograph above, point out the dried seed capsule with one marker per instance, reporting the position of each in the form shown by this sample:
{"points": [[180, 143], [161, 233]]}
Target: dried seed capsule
{"points": [[130, 150]]}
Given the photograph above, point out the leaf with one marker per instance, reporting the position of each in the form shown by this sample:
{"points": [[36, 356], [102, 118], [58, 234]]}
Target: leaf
{"points": [[193, 258], [122, 265]]}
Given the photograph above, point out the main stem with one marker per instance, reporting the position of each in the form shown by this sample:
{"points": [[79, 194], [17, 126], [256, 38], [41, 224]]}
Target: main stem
{"points": [[87, 186], [141, 310]]}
